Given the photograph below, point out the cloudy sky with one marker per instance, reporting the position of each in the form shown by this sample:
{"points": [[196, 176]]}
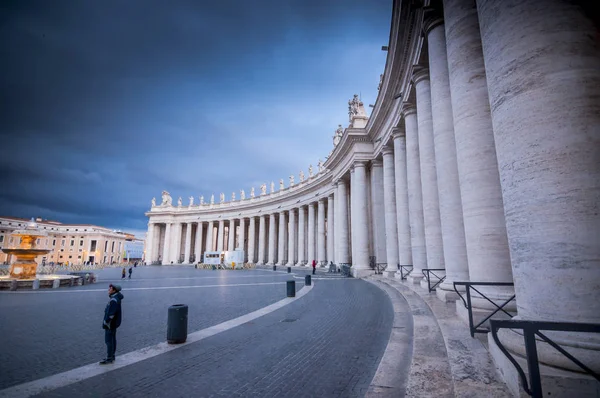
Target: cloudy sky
{"points": [[104, 104]]}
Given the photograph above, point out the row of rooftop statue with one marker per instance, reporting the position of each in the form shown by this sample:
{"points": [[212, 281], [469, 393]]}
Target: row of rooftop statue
{"points": [[355, 108]]}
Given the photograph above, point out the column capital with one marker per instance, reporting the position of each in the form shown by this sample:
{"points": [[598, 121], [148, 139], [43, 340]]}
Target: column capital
{"points": [[387, 151], [432, 20], [398, 132], [408, 108], [322, 200], [359, 163], [376, 163], [419, 74]]}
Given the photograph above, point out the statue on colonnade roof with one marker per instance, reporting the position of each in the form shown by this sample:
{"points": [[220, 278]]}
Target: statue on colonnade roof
{"points": [[292, 180], [252, 192], [353, 106], [337, 137], [191, 201], [212, 199], [153, 202], [179, 201], [320, 166], [242, 194], [166, 199], [201, 199], [301, 175], [222, 198], [281, 187], [233, 196], [310, 171], [263, 189], [272, 187]]}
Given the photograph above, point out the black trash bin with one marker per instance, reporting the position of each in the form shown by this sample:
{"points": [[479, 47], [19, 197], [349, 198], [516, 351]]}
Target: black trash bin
{"points": [[177, 324], [291, 288], [289, 270], [307, 281], [274, 268]]}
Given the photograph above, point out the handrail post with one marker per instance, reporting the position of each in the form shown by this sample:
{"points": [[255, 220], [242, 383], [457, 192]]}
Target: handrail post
{"points": [[532, 362], [470, 310]]}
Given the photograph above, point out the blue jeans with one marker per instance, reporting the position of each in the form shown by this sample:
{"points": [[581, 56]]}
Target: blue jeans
{"points": [[110, 338]]}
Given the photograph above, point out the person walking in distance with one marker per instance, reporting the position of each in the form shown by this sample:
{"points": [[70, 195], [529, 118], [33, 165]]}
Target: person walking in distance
{"points": [[112, 320], [314, 265], [123, 273], [130, 271]]}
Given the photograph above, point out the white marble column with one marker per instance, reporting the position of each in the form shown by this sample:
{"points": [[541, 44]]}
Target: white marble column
{"points": [[176, 243], [272, 239], [389, 205], [544, 89], [241, 244], [166, 257], [281, 240], [483, 209], [429, 183], [231, 235], [292, 238], [188, 243], [342, 220], [321, 242], [360, 265], [415, 196], [262, 232], [330, 229], [311, 233], [150, 243], [251, 240], [451, 213], [198, 245], [210, 236], [402, 215], [221, 236], [378, 210], [301, 241], [352, 212]]}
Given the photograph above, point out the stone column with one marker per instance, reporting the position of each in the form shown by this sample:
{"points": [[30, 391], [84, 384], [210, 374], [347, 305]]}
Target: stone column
{"points": [[176, 243], [188, 244], [483, 209], [166, 257], [301, 247], [221, 236], [242, 237], [330, 229], [342, 221], [451, 213], [251, 240], [389, 205], [429, 183], [150, 243], [377, 210], [209, 236], [352, 212], [198, 245], [311, 233], [231, 235], [402, 216], [321, 243], [415, 196], [292, 238], [261, 240], [272, 239], [360, 265], [544, 89], [281, 240]]}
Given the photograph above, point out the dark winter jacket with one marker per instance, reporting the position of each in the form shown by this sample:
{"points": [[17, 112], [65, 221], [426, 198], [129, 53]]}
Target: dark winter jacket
{"points": [[112, 312]]}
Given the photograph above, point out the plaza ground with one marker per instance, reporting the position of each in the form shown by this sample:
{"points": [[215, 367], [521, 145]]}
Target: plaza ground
{"points": [[327, 343]]}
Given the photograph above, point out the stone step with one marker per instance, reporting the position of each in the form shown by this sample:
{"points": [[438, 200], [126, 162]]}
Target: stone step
{"points": [[470, 366]]}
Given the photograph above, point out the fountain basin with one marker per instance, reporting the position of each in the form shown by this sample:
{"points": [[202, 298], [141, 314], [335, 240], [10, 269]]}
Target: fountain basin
{"points": [[46, 281]]}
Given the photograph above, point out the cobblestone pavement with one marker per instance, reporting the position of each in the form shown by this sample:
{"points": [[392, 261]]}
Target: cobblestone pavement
{"points": [[329, 343], [53, 330]]}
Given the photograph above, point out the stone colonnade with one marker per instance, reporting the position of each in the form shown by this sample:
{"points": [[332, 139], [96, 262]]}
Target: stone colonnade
{"points": [[486, 164]]}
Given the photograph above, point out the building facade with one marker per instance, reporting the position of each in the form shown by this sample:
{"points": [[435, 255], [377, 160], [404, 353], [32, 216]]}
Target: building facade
{"points": [[481, 157], [72, 243]]}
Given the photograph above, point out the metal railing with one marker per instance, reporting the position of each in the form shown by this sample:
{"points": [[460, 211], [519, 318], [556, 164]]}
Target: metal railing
{"points": [[405, 270], [531, 329], [468, 286], [430, 273], [380, 267]]}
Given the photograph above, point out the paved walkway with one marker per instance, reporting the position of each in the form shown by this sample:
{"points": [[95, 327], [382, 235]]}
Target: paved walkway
{"points": [[327, 343]]}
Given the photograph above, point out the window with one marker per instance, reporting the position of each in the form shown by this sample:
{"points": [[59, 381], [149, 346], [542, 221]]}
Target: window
{"points": [[72, 242], [10, 240], [112, 247], [80, 243], [76, 229], [93, 246], [53, 242], [37, 242], [80, 250], [62, 243], [70, 256], [105, 248], [120, 247], [67, 229], [1, 238]]}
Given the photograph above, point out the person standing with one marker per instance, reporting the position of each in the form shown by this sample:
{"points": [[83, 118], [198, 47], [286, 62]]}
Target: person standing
{"points": [[314, 265], [130, 271], [112, 320], [123, 273]]}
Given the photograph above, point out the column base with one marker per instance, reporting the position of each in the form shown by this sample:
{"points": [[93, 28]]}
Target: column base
{"points": [[300, 264], [270, 263], [415, 279], [361, 272], [447, 296], [259, 263], [290, 264], [555, 382], [389, 274]]}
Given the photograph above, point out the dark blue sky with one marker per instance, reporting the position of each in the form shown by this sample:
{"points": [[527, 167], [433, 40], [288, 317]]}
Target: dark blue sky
{"points": [[106, 103]]}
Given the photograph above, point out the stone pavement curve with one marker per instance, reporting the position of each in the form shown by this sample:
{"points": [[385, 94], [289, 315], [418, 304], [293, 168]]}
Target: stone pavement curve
{"points": [[330, 342]]}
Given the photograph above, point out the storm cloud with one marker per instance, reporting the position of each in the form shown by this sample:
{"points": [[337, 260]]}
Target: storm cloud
{"points": [[106, 103]]}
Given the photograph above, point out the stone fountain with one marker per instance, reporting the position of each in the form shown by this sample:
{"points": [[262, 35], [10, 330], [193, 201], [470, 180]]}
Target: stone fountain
{"points": [[23, 272]]}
